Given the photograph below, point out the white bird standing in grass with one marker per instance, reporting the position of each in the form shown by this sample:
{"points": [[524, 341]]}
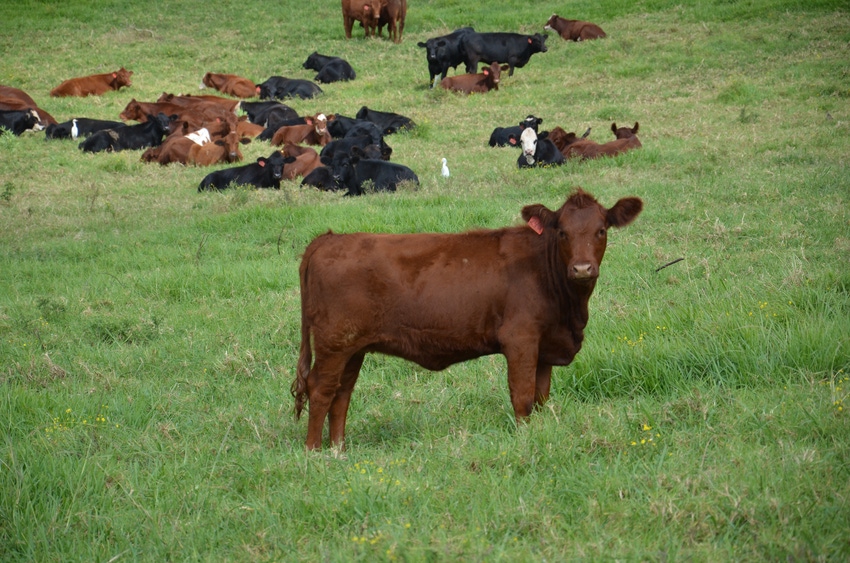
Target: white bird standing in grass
{"points": [[74, 131], [445, 169]]}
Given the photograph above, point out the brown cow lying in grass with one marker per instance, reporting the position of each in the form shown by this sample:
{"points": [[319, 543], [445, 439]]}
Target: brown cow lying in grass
{"points": [[481, 83], [230, 84], [93, 85], [574, 30], [626, 140]]}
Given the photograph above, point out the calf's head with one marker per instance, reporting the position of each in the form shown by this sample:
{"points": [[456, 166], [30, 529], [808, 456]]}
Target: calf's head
{"points": [[579, 231]]}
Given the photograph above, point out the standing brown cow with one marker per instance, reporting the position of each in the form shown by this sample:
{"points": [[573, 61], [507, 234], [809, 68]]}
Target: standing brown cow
{"points": [[574, 30], [440, 299], [94, 85], [393, 14], [367, 12]]}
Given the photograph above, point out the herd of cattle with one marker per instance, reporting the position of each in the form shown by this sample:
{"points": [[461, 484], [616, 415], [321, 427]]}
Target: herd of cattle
{"points": [[519, 291], [352, 154]]}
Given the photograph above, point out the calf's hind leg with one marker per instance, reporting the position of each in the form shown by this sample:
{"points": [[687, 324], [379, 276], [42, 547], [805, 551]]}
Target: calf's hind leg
{"points": [[339, 405], [322, 385]]}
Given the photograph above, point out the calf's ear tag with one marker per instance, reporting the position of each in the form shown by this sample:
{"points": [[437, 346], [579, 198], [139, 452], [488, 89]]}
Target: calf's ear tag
{"points": [[536, 225]]}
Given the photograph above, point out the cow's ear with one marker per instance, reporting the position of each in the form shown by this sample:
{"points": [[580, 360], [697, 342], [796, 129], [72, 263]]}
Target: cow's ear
{"points": [[624, 211], [261, 161], [512, 139], [505, 67], [114, 75], [614, 128], [529, 40], [543, 135], [635, 128], [485, 71], [245, 140], [539, 217], [308, 120], [219, 142]]}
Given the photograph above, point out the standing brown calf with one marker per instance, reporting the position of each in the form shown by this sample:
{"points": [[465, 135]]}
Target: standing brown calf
{"points": [[574, 30], [439, 299], [94, 85]]}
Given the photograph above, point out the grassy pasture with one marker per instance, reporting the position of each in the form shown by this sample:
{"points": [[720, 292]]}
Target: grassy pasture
{"points": [[148, 333]]}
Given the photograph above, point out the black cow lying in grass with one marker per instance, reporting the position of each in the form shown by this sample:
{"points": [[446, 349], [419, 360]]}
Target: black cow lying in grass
{"points": [[79, 127], [129, 137], [265, 173], [330, 69]]}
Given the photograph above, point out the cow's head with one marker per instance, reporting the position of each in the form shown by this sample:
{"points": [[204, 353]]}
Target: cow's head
{"points": [[274, 164], [624, 132], [537, 42], [528, 141], [579, 230], [121, 78]]}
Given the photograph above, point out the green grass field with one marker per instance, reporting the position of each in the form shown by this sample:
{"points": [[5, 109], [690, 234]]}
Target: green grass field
{"points": [[149, 334]]}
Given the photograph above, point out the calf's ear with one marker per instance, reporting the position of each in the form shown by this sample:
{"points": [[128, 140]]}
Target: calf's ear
{"points": [[624, 211], [539, 217]]}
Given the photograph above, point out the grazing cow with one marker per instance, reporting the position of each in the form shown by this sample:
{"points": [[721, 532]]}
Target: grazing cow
{"points": [[18, 121], [444, 52], [94, 85], [574, 30], [513, 49], [393, 14], [129, 137], [230, 84], [367, 12], [15, 98], [84, 128], [265, 173], [481, 83], [537, 150], [441, 299], [306, 160], [387, 122], [330, 69], [313, 132], [281, 88], [501, 136], [355, 172], [626, 140]]}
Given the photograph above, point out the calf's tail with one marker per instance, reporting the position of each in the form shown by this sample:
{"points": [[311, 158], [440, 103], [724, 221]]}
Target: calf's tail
{"points": [[305, 358]]}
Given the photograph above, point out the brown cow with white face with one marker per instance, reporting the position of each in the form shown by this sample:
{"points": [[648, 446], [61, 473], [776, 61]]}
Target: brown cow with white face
{"points": [[440, 299]]}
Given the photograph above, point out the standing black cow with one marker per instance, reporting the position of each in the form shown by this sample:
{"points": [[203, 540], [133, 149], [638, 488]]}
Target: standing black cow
{"points": [[511, 48], [444, 52], [330, 69], [265, 173], [280, 88], [129, 137]]}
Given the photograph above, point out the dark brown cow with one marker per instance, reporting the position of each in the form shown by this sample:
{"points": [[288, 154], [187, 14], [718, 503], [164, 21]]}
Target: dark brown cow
{"points": [[306, 160], [481, 83], [197, 115], [94, 85], [626, 140], [230, 84], [562, 139], [440, 299], [393, 14], [188, 100], [367, 12], [574, 30], [313, 132]]}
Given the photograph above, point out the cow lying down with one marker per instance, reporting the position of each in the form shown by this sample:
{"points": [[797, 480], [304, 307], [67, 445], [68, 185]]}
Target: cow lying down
{"points": [[440, 299]]}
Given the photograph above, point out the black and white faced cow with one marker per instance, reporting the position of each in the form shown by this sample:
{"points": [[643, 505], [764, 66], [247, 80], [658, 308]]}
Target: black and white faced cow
{"points": [[18, 121], [538, 150], [501, 136]]}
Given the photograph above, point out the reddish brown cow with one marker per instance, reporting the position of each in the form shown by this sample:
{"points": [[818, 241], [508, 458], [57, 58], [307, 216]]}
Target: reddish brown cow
{"points": [[440, 299], [626, 140], [197, 115], [230, 84], [188, 100], [393, 14], [367, 12], [562, 139], [314, 132], [94, 85], [221, 149], [481, 83], [247, 129], [306, 160], [16, 99], [574, 30]]}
